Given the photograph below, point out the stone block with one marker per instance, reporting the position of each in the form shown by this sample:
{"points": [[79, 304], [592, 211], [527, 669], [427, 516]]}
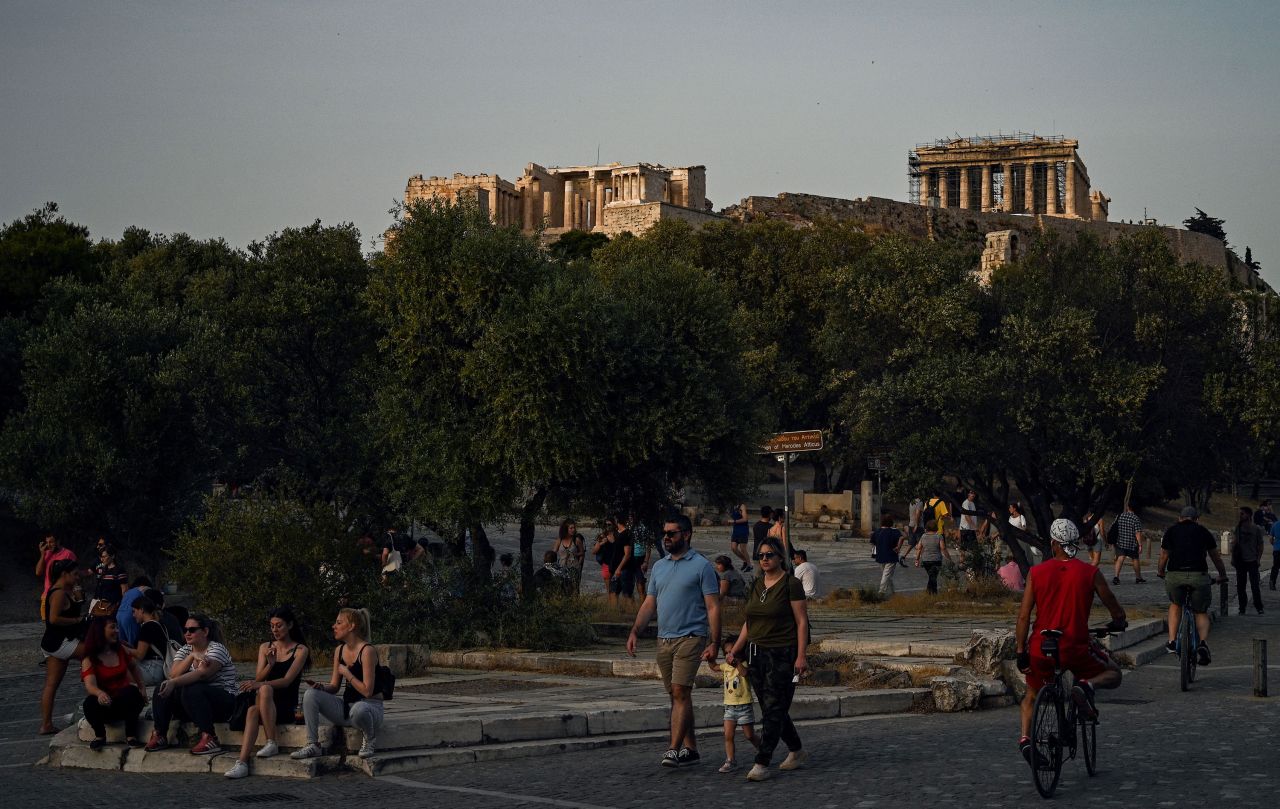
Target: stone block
{"points": [[501, 752], [815, 706], [952, 694], [630, 720], [282, 766], [890, 700], [409, 731], [448, 660], [409, 760], [541, 726], [179, 760], [1013, 679], [635, 667], [709, 715], [80, 756], [1002, 701], [986, 650]]}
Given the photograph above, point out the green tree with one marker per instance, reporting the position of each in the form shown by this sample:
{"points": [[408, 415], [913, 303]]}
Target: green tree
{"points": [[1206, 224], [38, 248], [1082, 366], [511, 381], [576, 245]]}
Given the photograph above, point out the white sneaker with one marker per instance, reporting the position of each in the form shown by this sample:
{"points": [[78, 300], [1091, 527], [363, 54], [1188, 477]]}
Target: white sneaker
{"points": [[269, 749], [240, 770], [366, 749], [758, 772], [793, 761], [310, 751]]}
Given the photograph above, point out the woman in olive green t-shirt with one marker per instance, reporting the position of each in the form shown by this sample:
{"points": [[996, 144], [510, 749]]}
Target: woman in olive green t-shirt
{"points": [[777, 629]]}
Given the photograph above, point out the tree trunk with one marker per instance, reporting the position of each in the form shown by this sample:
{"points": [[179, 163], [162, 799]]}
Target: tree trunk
{"points": [[481, 552], [527, 515], [821, 479]]}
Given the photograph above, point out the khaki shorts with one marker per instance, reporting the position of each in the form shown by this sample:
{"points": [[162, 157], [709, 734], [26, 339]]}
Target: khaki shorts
{"points": [[679, 658]]}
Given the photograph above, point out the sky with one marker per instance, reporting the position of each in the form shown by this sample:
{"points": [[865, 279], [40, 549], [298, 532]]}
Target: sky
{"points": [[238, 119]]}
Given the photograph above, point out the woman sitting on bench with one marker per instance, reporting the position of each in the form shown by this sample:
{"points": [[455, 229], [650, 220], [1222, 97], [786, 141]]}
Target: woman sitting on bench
{"points": [[111, 676], [281, 662]]}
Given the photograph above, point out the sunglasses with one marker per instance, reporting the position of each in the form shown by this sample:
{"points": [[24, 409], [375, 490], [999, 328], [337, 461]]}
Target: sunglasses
{"points": [[672, 533], [766, 555], [187, 630]]}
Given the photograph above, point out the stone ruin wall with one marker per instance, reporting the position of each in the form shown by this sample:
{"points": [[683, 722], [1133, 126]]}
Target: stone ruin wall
{"points": [[638, 218], [922, 222]]}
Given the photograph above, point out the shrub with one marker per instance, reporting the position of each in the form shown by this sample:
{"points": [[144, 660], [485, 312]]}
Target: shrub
{"points": [[446, 604], [248, 555]]}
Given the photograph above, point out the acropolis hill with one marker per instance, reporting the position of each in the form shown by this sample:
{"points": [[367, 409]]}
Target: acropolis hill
{"points": [[999, 189]]}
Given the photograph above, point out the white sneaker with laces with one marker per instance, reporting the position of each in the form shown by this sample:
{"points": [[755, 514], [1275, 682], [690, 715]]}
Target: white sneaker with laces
{"points": [[269, 749], [240, 770], [367, 749], [310, 751], [758, 772]]}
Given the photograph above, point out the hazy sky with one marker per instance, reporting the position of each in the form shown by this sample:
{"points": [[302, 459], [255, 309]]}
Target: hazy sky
{"points": [[239, 119]]}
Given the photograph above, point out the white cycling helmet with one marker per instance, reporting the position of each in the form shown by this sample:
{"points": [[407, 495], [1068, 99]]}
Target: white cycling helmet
{"points": [[1065, 533]]}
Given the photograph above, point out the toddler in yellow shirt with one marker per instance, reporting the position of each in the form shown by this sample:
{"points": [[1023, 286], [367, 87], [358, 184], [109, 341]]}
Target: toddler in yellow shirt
{"points": [[738, 710]]}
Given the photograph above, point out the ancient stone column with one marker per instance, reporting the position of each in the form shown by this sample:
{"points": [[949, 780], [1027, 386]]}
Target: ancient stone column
{"points": [[546, 208], [568, 203], [599, 200], [987, 203], [924, 187], [964, 186], [1029, 177], [944, 187], [1071, 188], [1051, 188], [1007, 202]]}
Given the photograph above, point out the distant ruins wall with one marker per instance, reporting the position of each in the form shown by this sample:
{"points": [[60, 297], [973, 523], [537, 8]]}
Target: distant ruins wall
{"points": [[920, 221], [639, 217]]}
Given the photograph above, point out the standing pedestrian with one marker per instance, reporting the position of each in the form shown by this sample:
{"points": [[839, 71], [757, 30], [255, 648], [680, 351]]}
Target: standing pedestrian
{"points": [[1128, 543], [738, 709], [888, 542], [914, 528], [1275, 552], [111, 581], [1094, 538], [930, 552], [775, 638], [63, 630], [968, 524], [759, 530], [684, 593], [739, 533], [570, 550], [628, 565], [1246, 556], [51, 551]]}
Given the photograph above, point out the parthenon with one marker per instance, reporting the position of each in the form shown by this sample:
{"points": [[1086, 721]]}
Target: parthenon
{"points": [[607, 199], [1019, 173]]}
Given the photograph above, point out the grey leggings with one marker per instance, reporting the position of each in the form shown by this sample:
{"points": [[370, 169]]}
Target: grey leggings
{"points": [[366, 715]]}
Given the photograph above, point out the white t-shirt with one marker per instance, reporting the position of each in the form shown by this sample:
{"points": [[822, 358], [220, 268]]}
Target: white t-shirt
{"points": [[913, 514], [1020, 521], [808, 576], [968, 522]]}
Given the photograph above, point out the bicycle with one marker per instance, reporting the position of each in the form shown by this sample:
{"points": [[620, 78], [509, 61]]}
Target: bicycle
{"points": [[1187, 639], [1056, 724]]}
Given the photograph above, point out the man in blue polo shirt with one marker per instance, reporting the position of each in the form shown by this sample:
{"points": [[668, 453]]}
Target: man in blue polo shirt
{"points": [[685, 593]]}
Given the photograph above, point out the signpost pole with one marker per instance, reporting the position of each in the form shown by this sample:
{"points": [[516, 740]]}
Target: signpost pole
{"points": [[786, 498]]}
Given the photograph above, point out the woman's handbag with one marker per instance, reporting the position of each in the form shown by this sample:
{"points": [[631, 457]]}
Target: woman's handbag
{"points": [[239, 713], [384, 682]]}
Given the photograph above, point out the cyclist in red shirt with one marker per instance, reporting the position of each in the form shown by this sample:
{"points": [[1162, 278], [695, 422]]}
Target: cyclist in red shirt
{"points": [[1060, 590]]}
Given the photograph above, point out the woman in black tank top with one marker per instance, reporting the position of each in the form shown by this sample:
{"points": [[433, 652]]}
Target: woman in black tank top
{"points": [[355, 662], [62, 629], [281, 662]]}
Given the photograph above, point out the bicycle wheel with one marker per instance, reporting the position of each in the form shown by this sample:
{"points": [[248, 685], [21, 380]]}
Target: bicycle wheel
{"points": [[1089, 741], [1187, 669], [1046, 740]]}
